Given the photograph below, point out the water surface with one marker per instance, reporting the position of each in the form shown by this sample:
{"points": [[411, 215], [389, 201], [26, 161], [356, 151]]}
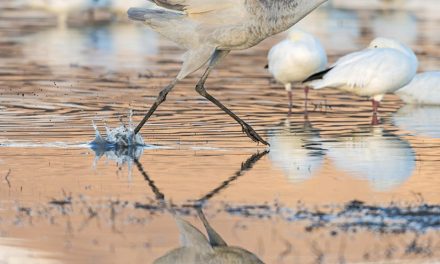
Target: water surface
{"points": [[62, 201]]}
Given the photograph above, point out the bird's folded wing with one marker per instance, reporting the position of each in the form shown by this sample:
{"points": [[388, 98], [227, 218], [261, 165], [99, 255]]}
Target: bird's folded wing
{"points": [[209, 11], [358, 69]]}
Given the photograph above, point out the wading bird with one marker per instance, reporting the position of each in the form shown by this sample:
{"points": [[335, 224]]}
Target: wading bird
{"points": [[296, 58], [384, 67], [424, 89], [210, 29]]}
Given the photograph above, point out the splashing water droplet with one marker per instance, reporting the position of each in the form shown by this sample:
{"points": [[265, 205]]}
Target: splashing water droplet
{"points": [[120, 137]]}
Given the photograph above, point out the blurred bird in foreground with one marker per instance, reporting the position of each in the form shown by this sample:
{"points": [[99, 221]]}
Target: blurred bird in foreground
{"points": [[198, 249], [384, 67], [210, 29], [294, 59]]}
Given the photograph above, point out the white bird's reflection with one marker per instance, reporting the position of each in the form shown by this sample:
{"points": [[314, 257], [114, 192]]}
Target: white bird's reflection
{"points": [[111, 47], [380, 157], [296, 150], [420, 120]]}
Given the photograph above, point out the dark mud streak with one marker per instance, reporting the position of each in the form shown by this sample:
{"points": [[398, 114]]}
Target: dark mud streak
{"points": [[354, 215], [7, 178]]}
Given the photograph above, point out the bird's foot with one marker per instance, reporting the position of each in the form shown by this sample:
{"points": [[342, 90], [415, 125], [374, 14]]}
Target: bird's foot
{"points": [[252, 134]]}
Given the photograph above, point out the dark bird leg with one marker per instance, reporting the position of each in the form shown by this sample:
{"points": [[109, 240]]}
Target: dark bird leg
{"points": [[306, 100], [200, 88], [160, 99], [375, 120]]}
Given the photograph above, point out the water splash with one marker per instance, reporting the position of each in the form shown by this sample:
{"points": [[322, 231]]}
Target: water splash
{"points": [[120, 137], [121, 144]]}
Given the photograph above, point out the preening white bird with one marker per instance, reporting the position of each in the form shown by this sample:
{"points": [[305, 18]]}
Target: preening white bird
{"points": [[384, 67], [296, 58], [424, 89], [210, 29]]}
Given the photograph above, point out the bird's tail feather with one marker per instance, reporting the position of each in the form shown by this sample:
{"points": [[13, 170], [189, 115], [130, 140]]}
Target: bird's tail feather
{"points": [[145, 14], [172, 25], [317, 76]]}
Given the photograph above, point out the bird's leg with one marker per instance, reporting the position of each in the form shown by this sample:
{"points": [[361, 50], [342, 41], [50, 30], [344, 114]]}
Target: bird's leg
{"points": [[200, 88], [288, 87], [375, 120], [306, 100], [160, 99], [289, 94]]}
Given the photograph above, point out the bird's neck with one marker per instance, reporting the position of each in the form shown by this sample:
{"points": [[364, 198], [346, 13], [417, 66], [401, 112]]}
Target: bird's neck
{"points": [[282, 14]]}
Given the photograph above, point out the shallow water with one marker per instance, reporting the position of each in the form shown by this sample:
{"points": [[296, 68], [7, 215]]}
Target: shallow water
{"points": [[62, 201]]}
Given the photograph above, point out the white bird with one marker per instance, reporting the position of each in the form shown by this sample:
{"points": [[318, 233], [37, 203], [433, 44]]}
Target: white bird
{"points": [[421, 120], [380, 157], [296, 150], [384, 67], [424, 89], [294, 59], [210, 29]]}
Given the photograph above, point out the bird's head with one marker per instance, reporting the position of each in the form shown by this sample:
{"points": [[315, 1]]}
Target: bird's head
{"points": [[384, 43]]}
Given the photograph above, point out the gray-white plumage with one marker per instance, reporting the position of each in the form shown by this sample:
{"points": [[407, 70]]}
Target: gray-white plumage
{"points": [[209, 29]]}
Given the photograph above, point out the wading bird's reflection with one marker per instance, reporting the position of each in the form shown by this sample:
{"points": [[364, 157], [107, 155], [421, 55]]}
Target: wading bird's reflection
{"points": [[380, 157], [420, 120], [195, 246], [296, 150]]}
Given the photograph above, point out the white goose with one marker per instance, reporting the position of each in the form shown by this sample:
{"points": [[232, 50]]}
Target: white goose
{"points": [[384, 67], [424, 89], [294, 59]]}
